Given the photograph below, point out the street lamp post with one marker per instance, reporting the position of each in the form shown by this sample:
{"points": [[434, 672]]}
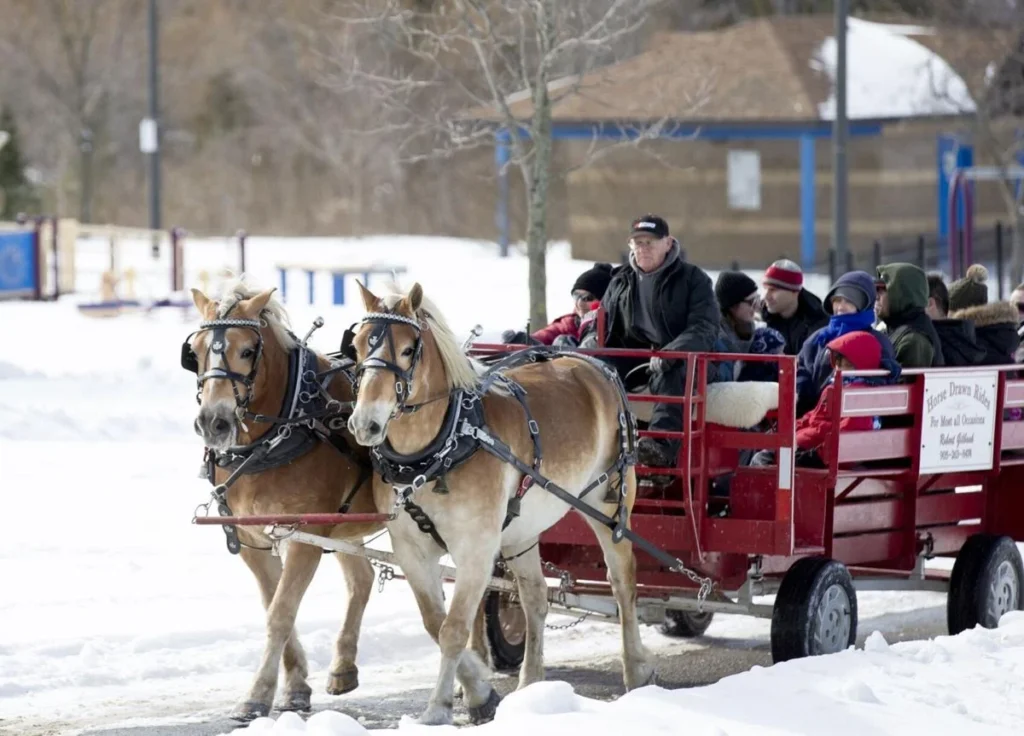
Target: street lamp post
{"points": [[149, 130]]}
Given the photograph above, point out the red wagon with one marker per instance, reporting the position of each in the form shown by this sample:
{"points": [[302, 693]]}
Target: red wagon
{"points": [[944, 477]]}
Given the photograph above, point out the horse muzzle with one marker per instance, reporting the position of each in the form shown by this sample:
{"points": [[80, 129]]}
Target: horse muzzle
{"points": [[367, 427], [217, 427]]}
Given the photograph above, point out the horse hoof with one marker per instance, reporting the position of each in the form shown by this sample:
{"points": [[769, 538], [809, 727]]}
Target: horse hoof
{"points": [[249, 710], [436, 715], [648, 675], [343, 681], [296, 702], [485, 712]]}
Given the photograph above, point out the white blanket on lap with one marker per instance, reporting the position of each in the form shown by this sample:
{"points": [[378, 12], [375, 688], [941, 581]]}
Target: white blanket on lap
{"points": [[742, 404]]}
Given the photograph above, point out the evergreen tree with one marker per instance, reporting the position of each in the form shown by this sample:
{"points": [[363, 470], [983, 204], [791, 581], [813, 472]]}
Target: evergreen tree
{"points": [[19, 195]]}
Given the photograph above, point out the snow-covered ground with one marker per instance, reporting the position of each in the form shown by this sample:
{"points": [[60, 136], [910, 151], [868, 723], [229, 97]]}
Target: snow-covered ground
{"points": [[115, 608], [968, 684]]}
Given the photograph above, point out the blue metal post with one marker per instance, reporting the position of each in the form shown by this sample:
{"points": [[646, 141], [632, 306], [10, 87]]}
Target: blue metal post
{"points": [[310, 276], [501, 159], [339, 288], [808, 201], [284, 283], [953, 153]]}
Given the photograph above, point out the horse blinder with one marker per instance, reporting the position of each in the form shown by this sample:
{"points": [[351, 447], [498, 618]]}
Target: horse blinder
{"points": [[189, 361]]}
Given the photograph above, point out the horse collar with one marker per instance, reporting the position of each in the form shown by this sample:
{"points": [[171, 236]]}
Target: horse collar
{"points": [[296, 439], [451, 447]]}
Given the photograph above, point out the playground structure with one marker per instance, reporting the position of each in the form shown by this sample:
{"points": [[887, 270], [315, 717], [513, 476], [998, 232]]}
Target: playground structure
{"points": [[112, 269], [957, 199]]}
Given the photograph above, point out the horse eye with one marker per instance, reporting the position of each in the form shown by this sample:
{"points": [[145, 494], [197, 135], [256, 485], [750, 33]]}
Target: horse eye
{"points": [[407, 353], [248, 353]]}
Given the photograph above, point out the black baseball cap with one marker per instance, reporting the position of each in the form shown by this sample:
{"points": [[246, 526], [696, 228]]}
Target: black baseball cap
{"points": [[650, 225]]}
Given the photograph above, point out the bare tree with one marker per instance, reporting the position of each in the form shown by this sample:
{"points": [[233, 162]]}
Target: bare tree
{"points": [[450, 75], [983, 45], [75, 53]]}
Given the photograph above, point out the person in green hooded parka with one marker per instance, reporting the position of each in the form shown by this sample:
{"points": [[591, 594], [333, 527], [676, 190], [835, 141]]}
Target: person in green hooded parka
{"points": [[901, 300]]}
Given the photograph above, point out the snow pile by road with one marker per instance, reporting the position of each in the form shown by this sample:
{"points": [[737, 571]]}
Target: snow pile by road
{"points": [[963, 685]]}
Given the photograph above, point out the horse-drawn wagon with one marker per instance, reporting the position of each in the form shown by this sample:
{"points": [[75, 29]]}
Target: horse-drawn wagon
{"points": [[942, 477]]}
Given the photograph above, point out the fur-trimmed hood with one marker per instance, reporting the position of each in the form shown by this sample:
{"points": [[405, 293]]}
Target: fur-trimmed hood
{"points": [[989, 314], [996, 328]]}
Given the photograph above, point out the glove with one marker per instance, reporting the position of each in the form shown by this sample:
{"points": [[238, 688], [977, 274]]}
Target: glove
{"points": [[659, 365]]}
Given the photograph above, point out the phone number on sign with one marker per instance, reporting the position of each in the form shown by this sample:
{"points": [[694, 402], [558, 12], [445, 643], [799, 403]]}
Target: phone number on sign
{"points": [[955, 454]]}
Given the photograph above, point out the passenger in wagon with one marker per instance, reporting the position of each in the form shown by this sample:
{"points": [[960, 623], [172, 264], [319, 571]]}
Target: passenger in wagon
{"points": [[858, 350], [565, 331], [902, 296], [740, 331], [959, 342], [995, 325], [658, 301], [788, 307], [850, 302], [1017, 300]]}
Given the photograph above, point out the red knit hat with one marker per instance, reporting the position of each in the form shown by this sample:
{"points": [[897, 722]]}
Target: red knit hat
{"points": [[784, 274]]}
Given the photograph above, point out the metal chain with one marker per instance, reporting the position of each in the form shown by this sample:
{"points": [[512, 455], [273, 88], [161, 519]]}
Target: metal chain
{"points": [[562, 627]]}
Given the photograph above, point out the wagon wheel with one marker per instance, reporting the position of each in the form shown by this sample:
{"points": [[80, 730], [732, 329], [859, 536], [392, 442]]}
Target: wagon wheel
{"points": [[987, 581], [686, 624], [506, 630], [815, 610]]}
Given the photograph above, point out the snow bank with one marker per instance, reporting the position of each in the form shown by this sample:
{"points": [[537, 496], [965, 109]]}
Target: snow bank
{"points": [[891, 74], [967, 684]]}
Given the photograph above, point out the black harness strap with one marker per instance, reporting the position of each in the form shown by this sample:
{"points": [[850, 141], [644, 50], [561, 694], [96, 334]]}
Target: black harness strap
{"points": [[309, 415]]}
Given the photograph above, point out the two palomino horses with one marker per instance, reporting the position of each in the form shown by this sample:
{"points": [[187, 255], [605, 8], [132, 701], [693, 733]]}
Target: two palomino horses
{"points": [[457, 448]]}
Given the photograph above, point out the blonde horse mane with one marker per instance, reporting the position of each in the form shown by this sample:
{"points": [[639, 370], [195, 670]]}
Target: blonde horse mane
{"points": [[463, 372], [237, 290]]}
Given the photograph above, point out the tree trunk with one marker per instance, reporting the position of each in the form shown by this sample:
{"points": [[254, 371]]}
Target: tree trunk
{"points": [[86, 147], [539, 178]]}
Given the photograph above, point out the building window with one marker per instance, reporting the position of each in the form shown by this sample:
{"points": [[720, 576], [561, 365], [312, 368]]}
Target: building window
{"points": [[744, 180]]}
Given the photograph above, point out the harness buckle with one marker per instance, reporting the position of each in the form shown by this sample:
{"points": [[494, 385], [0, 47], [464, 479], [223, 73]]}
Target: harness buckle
{"points": [[534, 427], [418, 482]]}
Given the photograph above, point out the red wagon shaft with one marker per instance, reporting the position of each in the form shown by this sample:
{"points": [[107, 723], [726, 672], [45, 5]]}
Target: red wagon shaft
{"points": [[292, 519]]}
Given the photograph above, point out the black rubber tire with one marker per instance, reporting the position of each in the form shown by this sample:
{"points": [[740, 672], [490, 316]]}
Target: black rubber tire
{"points": [[976, 596], [686, 624], [796, 617], [507, 655]]}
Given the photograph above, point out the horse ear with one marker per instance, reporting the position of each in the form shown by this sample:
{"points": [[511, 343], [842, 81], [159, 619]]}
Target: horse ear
{"points": [[370, 300], [201, 301], [414, 298], [258, 303]]}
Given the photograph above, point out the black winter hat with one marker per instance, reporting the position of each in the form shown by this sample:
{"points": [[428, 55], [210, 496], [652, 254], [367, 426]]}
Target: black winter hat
{"points": [[649, 225], [732, 287], [595, 280]]}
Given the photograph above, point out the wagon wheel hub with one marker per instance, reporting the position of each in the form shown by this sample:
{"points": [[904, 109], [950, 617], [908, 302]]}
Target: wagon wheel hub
{"points": [[834, 623]]}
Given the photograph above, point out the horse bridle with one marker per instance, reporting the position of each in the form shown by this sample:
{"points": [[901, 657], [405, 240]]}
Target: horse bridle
{"points": [[218, 346], [383, 322]]}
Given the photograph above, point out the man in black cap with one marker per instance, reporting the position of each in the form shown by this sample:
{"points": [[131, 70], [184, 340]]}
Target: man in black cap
{"points": [[658, 301]]}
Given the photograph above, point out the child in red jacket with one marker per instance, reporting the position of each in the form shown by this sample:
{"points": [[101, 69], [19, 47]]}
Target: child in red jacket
{"points": [[566, 330], [857, 350]]}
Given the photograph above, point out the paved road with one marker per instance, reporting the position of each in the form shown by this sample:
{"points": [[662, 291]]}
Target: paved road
{"points": [[714, 659]]}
